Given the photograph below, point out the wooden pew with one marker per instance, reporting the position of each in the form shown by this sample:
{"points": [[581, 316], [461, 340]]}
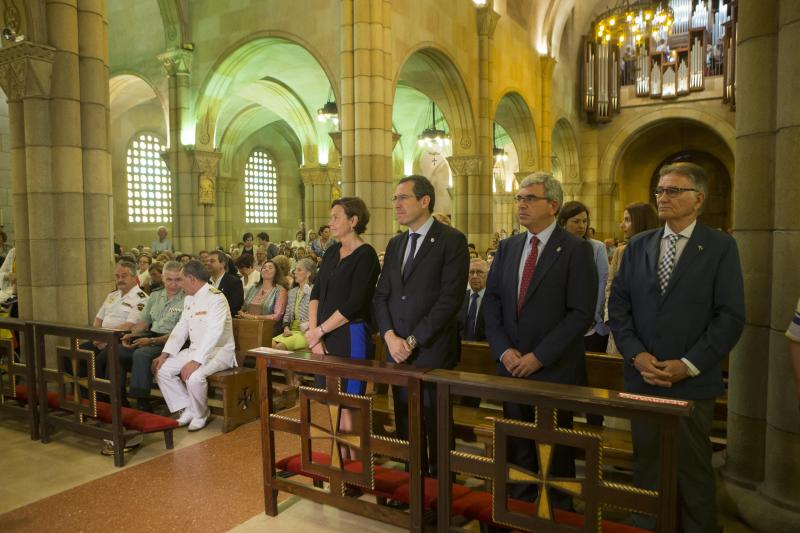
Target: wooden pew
{"points": [[73, 405], [239, 385]]}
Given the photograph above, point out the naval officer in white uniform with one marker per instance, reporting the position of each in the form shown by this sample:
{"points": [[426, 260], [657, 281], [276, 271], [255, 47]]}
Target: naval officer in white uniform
{"points": [[206, 322]]}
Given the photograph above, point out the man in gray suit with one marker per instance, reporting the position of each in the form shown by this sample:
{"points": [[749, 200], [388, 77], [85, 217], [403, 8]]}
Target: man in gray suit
{"points": [[676, 310]]}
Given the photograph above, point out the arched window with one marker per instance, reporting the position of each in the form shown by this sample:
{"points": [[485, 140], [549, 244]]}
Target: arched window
{"points": [[149, 182], [260, 189]]}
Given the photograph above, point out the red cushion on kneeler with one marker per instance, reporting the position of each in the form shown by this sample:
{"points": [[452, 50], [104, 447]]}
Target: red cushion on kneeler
{"points": [[52, 397], [138, 420], [387, 480], [430, 493], [294, 464], [484, 514]]}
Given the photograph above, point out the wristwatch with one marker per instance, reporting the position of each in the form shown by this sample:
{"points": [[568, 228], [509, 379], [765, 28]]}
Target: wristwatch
{"points": [[412, 341]]}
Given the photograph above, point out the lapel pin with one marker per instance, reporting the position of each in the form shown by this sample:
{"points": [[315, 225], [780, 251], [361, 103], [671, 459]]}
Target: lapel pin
{"points": [[558, 249], [433, 240], [700, 247]]}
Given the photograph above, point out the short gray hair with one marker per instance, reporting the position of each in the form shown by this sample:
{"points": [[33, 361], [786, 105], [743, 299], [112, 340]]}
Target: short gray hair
{"points": [[196, 269], [695, 173], [552, 187], [173, 266], [130, 266]]}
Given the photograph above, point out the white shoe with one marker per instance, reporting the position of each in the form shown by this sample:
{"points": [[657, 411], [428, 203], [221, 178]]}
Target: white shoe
{"points": [[185, 418], [199, 423]]}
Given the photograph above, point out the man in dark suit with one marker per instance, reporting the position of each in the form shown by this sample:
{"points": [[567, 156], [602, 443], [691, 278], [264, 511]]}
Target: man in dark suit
{"points": [[470, 317], [230, 285], [418, 297], [540, 300], [676, 309]]}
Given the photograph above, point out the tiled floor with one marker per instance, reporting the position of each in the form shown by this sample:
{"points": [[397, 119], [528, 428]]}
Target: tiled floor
{"points": [[210, 482]]}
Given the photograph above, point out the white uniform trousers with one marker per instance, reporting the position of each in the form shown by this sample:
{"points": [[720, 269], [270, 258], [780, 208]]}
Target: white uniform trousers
{"points": [[193, 394]]}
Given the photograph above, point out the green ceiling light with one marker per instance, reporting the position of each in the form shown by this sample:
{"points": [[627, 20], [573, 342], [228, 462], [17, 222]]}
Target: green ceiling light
{"points": [[330, 111], [433, 137]]}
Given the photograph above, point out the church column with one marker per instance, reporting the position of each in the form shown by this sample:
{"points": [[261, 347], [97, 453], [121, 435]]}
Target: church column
{"points": [[202, 179], [468, 214], [545, 126], [504, 211], [366, 115], [318, 183], [762, 477], [224, 216], [177, 65], [25, 74], [782, 477], [94, 108], [479, 186]]}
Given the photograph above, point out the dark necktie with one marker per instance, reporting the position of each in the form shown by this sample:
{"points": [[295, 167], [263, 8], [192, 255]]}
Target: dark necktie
{"points": [[412, 247], [527, 272], [472, 315]]}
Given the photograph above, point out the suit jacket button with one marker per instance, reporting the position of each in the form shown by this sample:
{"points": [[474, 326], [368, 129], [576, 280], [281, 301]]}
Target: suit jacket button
{"points": [[402, 297]]}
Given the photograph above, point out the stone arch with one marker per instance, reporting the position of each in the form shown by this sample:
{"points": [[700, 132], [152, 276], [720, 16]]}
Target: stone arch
{"points": [[127, 89], [250, 60], [432, 71], [174, 16], [670, 140], [565, 160], [514, 114], [630, 130]]}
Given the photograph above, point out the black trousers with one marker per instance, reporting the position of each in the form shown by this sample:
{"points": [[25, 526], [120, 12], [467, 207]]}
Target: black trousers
{"points": [[429, 446], [696, 482], [522, 453]]}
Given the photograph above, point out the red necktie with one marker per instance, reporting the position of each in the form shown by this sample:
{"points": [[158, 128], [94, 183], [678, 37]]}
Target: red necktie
{"points": [[527, 272]]}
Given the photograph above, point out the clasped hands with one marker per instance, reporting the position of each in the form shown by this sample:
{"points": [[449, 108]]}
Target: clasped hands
{"points": [[398, 347], [129, 341], [660, 373], [519, 365]]}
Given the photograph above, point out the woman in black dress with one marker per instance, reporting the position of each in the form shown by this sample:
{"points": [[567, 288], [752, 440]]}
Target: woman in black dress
{"points": [[341, 300]]}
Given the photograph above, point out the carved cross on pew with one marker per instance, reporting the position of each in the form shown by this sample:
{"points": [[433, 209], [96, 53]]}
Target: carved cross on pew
{"points": [[544, 435], [336, 438], [326, 404]]}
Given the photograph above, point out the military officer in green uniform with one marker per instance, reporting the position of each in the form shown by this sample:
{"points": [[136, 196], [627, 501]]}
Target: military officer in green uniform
{"points": [[148, 336]]}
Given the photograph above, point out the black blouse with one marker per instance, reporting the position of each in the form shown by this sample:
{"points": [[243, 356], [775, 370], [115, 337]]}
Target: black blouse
{"points": [[347, 284]]}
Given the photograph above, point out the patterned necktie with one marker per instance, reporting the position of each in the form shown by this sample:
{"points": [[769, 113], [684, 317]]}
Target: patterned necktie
{"points": [[667, 263], [472, 315], [412, 246], [527, 272]]}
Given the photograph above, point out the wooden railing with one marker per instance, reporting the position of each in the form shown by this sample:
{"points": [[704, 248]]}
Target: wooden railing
{"points": [[549, 399], [364, 439], [596, 492], [17, 369]]}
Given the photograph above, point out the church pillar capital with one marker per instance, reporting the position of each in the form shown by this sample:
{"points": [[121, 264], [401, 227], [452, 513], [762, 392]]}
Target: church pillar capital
{"points": [[466, 165], [177, 61], [487, 19], [25, 70]]}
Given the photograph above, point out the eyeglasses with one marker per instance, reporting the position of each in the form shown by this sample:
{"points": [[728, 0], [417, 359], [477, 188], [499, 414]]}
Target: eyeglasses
{"points": [[672, 192], [529, 198], [479, 273]]}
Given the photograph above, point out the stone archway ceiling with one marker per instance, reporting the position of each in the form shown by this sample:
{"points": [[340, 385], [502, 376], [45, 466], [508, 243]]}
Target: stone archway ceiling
{"points": [[514, 116], [126, 92], [274, 73], [549, 19], [411, 114], [432, 73]]}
